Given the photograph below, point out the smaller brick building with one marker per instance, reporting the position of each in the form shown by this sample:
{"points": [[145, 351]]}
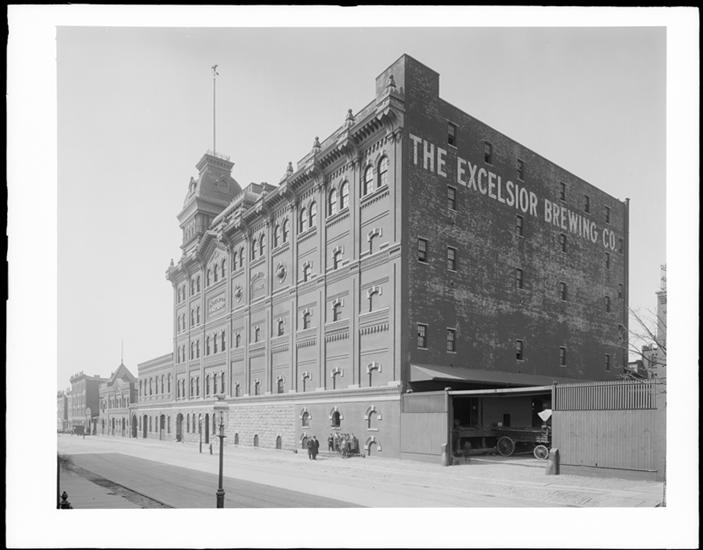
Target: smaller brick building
{"points": [[61, 411], [83, 402]]}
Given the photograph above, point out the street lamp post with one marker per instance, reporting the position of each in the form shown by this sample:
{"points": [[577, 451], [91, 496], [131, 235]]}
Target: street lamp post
{"points": [[200, 433], [221, 409]]}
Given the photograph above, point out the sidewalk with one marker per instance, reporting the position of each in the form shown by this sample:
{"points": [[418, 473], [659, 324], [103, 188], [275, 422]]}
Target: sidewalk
{"points": [[390, 482], [86, 494]]}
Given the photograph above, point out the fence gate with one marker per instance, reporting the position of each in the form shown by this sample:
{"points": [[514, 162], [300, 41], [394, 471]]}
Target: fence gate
{"points": [[618, 425]]}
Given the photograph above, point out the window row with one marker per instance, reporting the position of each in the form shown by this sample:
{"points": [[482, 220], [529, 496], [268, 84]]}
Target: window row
{"points": [[152, 385], [114, 402], [216, 272]]}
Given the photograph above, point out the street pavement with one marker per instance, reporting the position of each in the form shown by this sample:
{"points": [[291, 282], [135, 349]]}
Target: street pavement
{"points": [[252, 474]]}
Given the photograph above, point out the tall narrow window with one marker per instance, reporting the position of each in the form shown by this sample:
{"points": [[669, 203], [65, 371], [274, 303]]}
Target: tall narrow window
{"points": [[307, 271], [487, 153], [422, 336], [520, 170], [562, 191], [383, 172], [451, 258], [236, 389], [237, 340], [303, 219], [214, 386], [332, 203], [222, 340], [451, 134], [214, 343], [519, 350], [620, 290], [306, 320], [280, 385], [607, 304], [337, 259], [281, 327], [562, 356], [519, 278], [344, 195], [262, 244], [215, 272], [284, 231], [257, 334], [451, 197], [562, 242], [562, 292], [207, 345], [368, 180], [234, 261], [607, 260], [586, 203], [519, 225], [257, 386], [451, 339], [607, 214], [337, 311], [422, 250], [207, 385], [241, 257], [276, 235], [253, 249], [313, 214], [372, 297], [607, 361]]}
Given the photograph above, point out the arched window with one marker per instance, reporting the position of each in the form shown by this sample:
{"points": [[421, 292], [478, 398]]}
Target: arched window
{"points": [[237, 340], [303, 219], [162, 383], [214, 343], [368, 180], [192, 385], [197, 284], [281, 327], [336, 419], [234, 261], [313, 214], [307, 270], [344, 195], [236, 439], [207, 384], [241, 257], [305, 419], [332, 209], [383, 171], [215, 272], [257, 387], [222, 382], [197, 385], [223, 268], [371, 418], [261, 244], [197, 349], [257, 334], [306, 320], [276, 235], [207, 278], [207, 345], [168, 387], [372, 296], [187, 423], [150, 387], [279, 443], [236, 389], [214, 384], [222, 340], [256, 440], [280, 384], [284, 230], [253, 249]]}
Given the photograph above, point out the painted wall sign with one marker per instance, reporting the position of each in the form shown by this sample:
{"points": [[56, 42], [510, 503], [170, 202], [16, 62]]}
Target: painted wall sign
{"points": [[216, 304], [513, 195]]}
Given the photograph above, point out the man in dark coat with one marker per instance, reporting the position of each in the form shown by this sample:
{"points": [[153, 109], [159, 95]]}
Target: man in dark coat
{"points": [[310, 445], [315, 447]]}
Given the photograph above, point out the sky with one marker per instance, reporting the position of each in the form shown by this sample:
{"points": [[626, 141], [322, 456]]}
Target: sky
{"points": [[135, 116]]}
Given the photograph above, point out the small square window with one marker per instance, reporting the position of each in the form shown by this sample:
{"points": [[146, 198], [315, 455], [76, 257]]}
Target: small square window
{"points": [[421, 336], [451, 134], [451, 339], [520, 170], [422, 250], [519, 350], [487, 152], [451, 258], [451, 197]]}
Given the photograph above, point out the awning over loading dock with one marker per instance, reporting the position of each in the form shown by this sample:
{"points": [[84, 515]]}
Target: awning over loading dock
{"points": [[429, 373]]}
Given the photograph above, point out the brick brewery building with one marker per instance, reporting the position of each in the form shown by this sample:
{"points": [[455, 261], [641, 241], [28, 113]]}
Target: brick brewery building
{"points": [[413, 249]]}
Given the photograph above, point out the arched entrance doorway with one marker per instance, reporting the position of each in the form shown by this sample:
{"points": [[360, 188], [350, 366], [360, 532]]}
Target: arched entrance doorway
{"points": [[145, 425], [207, 429], [134, 425], [179, 427]]}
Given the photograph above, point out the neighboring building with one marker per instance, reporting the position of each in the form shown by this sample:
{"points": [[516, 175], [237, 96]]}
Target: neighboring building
{"points": [[83, 402], [654, 355], [413, 249], [156, 387], [636, 369], [117, 393], [61, 412]]}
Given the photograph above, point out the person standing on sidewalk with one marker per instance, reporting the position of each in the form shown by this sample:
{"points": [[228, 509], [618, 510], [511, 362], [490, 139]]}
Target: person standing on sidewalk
{"points": [[309, 444], [315, 447], [330, 443]]}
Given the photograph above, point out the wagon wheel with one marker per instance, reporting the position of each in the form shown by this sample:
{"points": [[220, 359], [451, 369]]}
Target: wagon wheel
{"points": [[541, 452], [505, 446]]}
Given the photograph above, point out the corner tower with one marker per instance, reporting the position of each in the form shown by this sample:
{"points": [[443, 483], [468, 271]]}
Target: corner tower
{"points": [[207, 196]]}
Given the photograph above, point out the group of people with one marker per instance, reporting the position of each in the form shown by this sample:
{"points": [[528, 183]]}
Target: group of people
{"points": [[344, 444], [313, 446]]}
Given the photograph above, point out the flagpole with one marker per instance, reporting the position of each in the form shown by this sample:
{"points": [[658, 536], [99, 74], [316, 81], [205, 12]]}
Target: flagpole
{"points": [[214, 143]]}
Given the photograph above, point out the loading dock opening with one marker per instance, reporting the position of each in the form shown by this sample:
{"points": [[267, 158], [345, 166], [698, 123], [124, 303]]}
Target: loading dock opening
{"points": [[501, 420]]}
